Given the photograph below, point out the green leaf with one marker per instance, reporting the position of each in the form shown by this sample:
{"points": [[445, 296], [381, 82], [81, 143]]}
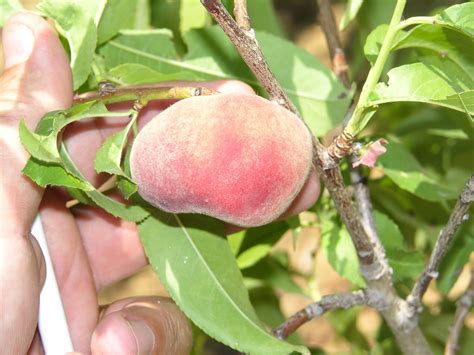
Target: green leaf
{"points": [[460, 17], [340, 252], [126, 186], [75, 21], [135, 74], [43, 145], [374, 42], [212, 56], [9, 8], [257, 243], [201, 275], [435, 82], [132, 213], [253, 255], [109, 156], [405, 264], [80, 196], [264, 17], [117, 15], [47, 174], [448, 133], [124, 183], [53, 122], [441, 41], [63, 172], [350, 12], [271, 272], [192, 15], [133, 46], [165, 14], [405, 171], [44, 148]]}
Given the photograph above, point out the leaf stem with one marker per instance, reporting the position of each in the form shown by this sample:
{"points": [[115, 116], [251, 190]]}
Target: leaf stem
{"points": [[416, 20], [356, 123], [143, 93]]}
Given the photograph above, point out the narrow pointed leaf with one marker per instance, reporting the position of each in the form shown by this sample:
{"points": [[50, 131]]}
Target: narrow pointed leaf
{"points": [[201, 274]]}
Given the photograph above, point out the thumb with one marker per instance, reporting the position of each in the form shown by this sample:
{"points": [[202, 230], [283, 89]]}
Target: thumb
{"points": [[37, 79]]}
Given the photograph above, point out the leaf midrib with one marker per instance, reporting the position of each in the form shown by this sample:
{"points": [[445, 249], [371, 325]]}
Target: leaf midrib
{"points": [[193, 245]]}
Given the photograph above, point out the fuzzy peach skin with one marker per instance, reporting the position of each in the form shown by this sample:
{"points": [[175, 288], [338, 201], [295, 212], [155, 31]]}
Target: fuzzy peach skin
{"points": [[236, 157]]}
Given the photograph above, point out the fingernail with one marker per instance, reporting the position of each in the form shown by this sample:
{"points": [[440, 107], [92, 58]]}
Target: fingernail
{"points": [[143, 336], [18, 43]]}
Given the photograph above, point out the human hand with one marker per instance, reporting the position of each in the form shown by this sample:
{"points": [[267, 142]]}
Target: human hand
{"points": [[90, 249], [36, 80]]}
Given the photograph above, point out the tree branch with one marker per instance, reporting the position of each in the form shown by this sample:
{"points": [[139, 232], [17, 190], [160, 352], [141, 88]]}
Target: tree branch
{"points": [[381, 294], [464, 305], [314, 310], [250, 52], [328, 24], [458, 215], [330, 173], [240, 14], [361, 191]]}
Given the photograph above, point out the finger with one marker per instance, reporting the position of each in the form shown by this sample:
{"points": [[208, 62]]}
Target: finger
{"points": [[146, 325], [307, 196], [36, 347], [19, 292], [112, 245], [36, 80], [72, 270]]}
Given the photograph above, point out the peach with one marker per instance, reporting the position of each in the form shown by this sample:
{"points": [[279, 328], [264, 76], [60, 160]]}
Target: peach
{"points": [[236, 157]]}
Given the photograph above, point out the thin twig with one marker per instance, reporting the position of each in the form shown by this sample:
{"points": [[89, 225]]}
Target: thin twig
{"points": [[464, 305], [328, 24], [458, 215], [148, 92], [240, 14], [317, 309], [250, 52], [109, 184]]}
